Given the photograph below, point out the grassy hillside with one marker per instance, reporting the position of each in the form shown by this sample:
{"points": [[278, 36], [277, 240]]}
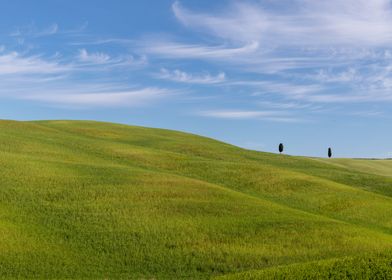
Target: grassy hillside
{"points": [[85, 199], [379, 167]]}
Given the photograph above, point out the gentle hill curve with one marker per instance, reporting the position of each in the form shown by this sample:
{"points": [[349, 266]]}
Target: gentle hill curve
{"points": [[372, 166], [100, 200]]}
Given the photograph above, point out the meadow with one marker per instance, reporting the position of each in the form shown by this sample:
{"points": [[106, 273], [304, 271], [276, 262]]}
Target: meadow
{"points": [[83, 199]]}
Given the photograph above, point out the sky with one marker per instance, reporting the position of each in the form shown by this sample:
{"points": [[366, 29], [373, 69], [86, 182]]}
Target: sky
{"points": [[253, 73]]}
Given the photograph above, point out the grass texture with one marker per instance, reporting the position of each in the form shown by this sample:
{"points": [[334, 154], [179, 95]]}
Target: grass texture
{"points": [[82, 199]]}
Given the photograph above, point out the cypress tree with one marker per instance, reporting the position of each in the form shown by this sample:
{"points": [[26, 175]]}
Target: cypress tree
{"points": [[329, 152], [281, 148]]}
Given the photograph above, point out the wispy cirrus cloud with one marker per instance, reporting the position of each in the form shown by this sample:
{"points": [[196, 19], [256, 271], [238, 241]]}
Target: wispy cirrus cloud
{"points": [[276, 116], [194, 51], [32, 30], [304, 44], [237, 114], [19, 64], [282, 105], [310, 23], [311, 49], [52, 81], [104, 98], [106, 61], [288, 89], [184, 77], [96, 57], [303, 53]]}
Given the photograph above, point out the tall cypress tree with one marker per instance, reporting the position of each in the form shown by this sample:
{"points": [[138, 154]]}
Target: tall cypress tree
{"points": [[281, 148], [329, 152]]}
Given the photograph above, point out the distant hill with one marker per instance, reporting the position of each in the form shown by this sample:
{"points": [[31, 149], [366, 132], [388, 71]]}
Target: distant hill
{"points": [[83, 199]]}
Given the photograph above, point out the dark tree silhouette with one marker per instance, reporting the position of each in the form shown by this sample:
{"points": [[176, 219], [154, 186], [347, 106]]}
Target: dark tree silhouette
{"points": [[281, 148], [329, 152]]}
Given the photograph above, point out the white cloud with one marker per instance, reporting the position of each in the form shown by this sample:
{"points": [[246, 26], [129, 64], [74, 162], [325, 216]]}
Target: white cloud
{"points": [[49, 81], [276, 116], [118, 41], [184, 77], [299, 52], [104, 61], [15, 63], [32, 30], [178, 50], [288, 89], [96, 57], [349, 75], [308, 35], [241, 23], [51, 30], [313, 51], [76, 30], [235, 114], [73, 97], [308, 22], [282, 105]]}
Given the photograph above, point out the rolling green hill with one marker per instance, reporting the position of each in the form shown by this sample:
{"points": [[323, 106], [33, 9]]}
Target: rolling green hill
{"points": [[82, 199]]}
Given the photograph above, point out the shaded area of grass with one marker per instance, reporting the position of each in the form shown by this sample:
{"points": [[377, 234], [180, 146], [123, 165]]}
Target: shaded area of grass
{"points": [[374, 266]]}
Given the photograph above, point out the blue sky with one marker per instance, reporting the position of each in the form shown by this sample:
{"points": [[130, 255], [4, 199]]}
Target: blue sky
{"points": [[310, 74]]}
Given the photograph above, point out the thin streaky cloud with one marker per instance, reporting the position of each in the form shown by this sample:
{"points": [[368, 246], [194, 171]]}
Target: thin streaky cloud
{"points": [[314, 23], [96, 57], [87, 40], [51, 30], [48, 81], [274, 116], [127, 98], [16, 63], [32, 30], [239, 114], [282, 105], [189, 51], [184, 77], [76, 30]]}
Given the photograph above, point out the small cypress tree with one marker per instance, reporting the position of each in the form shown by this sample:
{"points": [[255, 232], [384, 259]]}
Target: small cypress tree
{"points": [[329, 152], [281, 148]]}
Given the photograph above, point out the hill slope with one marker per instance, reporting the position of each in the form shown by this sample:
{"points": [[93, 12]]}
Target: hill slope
{"points": [[95, 200]]}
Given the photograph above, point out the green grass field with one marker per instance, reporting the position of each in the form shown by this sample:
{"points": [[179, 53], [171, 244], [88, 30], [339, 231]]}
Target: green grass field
{"points": [[83, 199]]}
